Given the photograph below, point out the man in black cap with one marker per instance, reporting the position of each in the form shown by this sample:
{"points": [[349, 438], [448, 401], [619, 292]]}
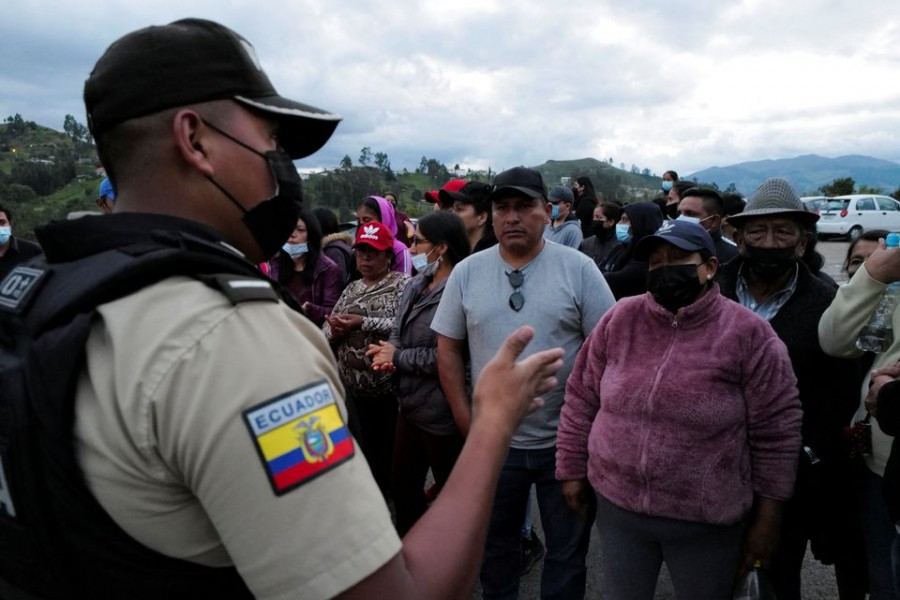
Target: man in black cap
{"points": [[769, 278], [472, 204], [562, 295], [180, 431]]}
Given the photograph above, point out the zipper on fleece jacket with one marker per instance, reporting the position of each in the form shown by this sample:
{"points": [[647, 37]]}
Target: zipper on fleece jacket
{"points": [[647, 409]]}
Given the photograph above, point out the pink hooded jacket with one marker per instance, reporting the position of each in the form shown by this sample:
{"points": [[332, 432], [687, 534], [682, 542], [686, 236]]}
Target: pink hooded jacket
{"points": [[684, 416], [403, 264]]}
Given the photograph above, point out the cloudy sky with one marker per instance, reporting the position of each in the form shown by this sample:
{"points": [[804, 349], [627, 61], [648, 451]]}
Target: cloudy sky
{"points": [[663, 84]]}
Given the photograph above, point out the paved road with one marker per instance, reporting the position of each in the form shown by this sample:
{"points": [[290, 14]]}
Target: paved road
{"points": [[818, 580]]}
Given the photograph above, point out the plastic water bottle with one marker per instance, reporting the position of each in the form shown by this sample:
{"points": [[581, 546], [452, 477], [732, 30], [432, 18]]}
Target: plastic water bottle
{"points": [[754, 586], [878, 334]]}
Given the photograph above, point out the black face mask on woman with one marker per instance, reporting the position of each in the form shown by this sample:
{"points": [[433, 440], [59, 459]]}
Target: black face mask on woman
{"points": [[674, 286], [271, 221], [768, 264], [602, 233]]}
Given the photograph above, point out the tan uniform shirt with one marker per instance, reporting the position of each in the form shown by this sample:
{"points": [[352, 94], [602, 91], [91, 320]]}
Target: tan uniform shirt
{"points": [[174, 429]]}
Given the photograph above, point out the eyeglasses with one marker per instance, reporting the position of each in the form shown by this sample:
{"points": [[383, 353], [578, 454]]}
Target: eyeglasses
{"points": [[420, 240], [516, 299]]}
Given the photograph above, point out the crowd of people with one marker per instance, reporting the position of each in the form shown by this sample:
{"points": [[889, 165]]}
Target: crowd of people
{"points": [[678, 373]]}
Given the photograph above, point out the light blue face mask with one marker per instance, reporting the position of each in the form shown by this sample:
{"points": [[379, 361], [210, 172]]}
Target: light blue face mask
{"points": [[422, 266], [554, 211], [5, 234], [689, 219], [295, 250], [622, 233], [666, 185]]}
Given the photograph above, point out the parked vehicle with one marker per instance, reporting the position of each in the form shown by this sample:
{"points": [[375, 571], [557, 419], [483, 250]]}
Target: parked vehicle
{"points": [[851, 215], [814, 204]]}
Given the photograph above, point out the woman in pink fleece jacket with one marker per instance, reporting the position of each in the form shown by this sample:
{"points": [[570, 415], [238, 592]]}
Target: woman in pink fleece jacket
{"points": [[682, 414]]}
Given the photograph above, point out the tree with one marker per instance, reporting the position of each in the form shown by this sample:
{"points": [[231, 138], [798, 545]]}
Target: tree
{"points": [[870, 189], [365, 156], [384, 165], [731, 189], [15, 125], [75, 130], [896, 194], [17, 194], [346, 162], [839, 187]]}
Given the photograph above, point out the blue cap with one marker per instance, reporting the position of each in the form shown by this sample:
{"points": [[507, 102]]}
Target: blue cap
{"points": [[688, 236], [106, 189], [561, 194]]}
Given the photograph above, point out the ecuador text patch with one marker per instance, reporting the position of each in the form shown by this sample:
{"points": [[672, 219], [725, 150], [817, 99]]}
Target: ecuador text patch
{"points": [[299, 435]]}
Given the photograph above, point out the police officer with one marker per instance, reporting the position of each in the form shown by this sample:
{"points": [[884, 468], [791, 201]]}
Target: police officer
{"points": [[207, 418]]}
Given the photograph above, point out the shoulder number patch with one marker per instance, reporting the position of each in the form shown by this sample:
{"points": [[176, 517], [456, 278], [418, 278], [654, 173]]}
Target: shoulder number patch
{"points": [[299, 435], [18, 285]]}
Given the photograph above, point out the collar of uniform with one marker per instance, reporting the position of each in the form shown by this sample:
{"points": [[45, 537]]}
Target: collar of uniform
{"points": [[64, 241]]}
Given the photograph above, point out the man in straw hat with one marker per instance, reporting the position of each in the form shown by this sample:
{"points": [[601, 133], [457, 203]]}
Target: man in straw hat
{"points": [[769, 277]]}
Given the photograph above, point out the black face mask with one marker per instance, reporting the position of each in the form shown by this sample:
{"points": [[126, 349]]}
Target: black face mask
{"points": [[674, 286], [271, 221], [768, 264], [602, 233], [672, 211]]}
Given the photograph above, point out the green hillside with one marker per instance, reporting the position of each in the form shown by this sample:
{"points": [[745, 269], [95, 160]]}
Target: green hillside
{"points": [[44, 173]]}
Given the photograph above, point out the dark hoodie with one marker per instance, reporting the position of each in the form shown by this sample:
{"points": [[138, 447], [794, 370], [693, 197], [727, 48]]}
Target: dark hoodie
{"points": [[626, 276]]}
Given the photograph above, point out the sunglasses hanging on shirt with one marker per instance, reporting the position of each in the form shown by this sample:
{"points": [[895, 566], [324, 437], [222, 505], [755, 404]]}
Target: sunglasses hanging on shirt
{"points": [[516, 299]]}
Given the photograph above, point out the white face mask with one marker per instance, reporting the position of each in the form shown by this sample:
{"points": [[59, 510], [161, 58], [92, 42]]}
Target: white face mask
{"points": [[295, 250], [695, 220], [689, 219]]}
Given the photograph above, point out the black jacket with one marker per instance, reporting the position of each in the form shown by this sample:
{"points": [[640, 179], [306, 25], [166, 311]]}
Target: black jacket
{"points": [[888, 408], [584, 211], [725, 251], [828, 386], [822, 506], [625, 276], [598, 249], [18, 251]]}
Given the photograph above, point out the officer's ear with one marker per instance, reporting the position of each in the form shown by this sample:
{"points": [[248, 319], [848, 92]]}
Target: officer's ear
{"points": [[191, 136]]}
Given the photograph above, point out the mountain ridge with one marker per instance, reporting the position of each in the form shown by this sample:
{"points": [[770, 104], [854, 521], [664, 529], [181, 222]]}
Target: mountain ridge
{"points": [[807, 173]]}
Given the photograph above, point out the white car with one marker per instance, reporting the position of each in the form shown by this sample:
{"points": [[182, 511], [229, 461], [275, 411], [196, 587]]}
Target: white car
{"points": [[814, 203], [851, 215]]}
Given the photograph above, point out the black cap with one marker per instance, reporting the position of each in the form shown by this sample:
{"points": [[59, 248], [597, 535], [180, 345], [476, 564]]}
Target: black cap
{"points": [[474, 192], [520, 179], [188, 62]]}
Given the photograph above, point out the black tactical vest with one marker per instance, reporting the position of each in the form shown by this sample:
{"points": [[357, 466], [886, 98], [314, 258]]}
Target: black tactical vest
{"points": [[56, 540]]}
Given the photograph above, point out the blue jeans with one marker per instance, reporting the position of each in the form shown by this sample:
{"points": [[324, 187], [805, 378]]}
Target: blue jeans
{"points": [[567, 534]]}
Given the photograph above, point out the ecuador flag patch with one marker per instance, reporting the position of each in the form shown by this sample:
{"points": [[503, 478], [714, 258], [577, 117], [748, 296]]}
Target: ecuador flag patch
{"points": [[299, 435]]}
